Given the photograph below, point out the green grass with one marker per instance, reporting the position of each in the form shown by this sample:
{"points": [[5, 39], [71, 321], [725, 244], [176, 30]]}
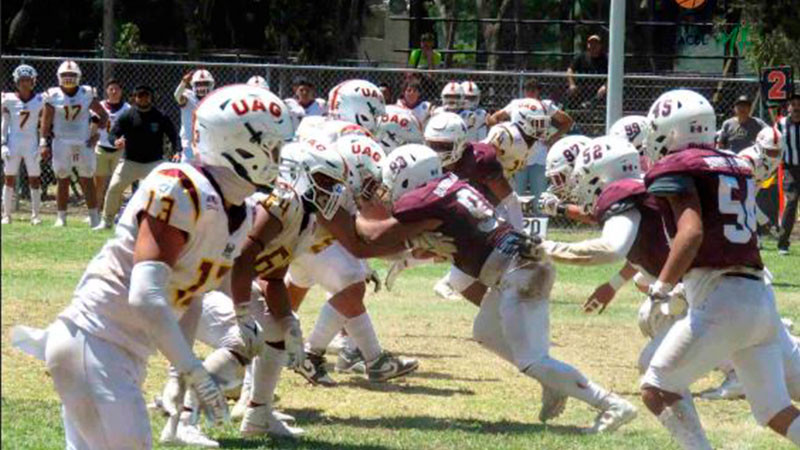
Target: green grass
{"points": [[461, 397]]}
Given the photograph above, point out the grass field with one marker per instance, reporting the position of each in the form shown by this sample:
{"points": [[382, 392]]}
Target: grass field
{"points": [[461, 397]]}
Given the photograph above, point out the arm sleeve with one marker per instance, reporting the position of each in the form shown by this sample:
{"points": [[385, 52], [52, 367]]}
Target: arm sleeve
{"points": [[619, 234], [178, 94], [671, 184], [148, 297]]}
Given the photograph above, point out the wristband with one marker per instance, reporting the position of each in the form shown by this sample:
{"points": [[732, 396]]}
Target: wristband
{"points": [[660, 289], [616, 281]]}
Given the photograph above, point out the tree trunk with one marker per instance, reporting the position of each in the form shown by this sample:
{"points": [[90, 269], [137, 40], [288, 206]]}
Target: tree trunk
{"points": [[446, 10], [196, 15], [109, 38], [491, 31], [20, 24]]}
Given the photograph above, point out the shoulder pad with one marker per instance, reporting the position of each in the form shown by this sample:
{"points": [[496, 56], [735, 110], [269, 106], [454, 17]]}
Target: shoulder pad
{"points": [[618, 197], [176, 199], [693, 162]]}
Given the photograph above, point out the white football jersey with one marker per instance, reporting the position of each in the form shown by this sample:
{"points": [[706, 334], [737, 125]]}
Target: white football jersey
{"points": [[326, 130], [441, 109], [182, 196], [422, 111], [512, 150], [112, 119], [187, 115], [476, 123], [71, 118], [23, 119], [286, 206]]}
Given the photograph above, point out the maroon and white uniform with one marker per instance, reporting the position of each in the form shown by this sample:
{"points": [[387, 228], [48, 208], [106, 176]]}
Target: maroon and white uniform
{"points": [[732, 313], [477, 165]]}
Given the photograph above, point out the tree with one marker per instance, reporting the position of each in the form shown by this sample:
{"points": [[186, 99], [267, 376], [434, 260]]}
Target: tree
{"points": [[774, 31]]}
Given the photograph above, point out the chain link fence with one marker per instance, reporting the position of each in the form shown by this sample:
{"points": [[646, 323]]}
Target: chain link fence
{"points": [[586, 103]]}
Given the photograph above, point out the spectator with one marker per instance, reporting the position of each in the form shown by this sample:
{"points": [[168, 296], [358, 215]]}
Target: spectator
{"points": [[425, 57], [107, 154], [304, 102], [592, 61], [740, 131], [790, 128], [412, 100], [140, 133], [386, 90]]}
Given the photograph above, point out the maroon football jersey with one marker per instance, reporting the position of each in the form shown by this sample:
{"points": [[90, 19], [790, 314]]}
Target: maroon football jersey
{"points": [[477, 165], [650, 249], [466, 216], [726, 188]]}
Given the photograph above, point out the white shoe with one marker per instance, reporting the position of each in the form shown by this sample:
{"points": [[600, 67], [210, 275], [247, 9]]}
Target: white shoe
{"points": [[35, 220], [103, 225], [87, 220], [338, 342], [618, 413], [60, 223], [283, 417], [261, 420], [190, 435], [443, 289], [553, 404], [6, 220], [730, 389]]}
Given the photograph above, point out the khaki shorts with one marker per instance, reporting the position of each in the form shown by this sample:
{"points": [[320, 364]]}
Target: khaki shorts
{"points": [[106, 161]]}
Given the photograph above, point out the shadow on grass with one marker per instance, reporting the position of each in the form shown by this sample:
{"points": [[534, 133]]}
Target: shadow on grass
{"points": [[430, 355], [446, 376], [303, 442], [429, 423], [390, 387], [785, 285]]}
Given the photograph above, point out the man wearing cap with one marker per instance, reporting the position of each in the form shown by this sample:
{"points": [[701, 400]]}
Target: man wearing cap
{"points": [[789, 127], [591, 61], [740, 131], [304, 103], [140, 133]]}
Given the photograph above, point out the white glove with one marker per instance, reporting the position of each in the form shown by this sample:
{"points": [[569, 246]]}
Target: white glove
{"points": [[549, 203], [5, 153], [249, 332], [293, 341], [667, 299], [210, 396], [432, 242]]}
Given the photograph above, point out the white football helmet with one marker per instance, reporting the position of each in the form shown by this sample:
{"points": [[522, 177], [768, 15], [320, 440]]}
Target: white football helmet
{"points": [[317, 173], [258, 80], [407, 168], [605, 159], [768, 141], [24, 71], [472, 95], [632, 128], [357, 101], [561, 162], [453, 96], [533, 122], [678, 119], [243, 128], [69, 74], [364, 157], [398, 127], [202, 82], [763, 168], [446, 134]]}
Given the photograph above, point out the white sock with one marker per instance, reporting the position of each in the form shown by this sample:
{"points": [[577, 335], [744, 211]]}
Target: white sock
{"points": [[8, 200], [363, 333], [684, 425], [247, 382], [267, 369], [94, 216], [36, 202], [329, 322], [793, 432], [62, 215]]}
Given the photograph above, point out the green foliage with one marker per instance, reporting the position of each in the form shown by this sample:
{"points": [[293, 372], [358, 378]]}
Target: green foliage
{"points": [[775, 31], [129, 41]]}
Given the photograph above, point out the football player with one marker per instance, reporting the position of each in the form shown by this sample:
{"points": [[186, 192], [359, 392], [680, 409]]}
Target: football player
{"points": [[452, 99], [474, 116], [557, 200], [513, 321], [634, 129], [398, 127], [515, 141], [195, 85], [334, 261], [176, 240], [258, 80], [68, 135], [19, 133], [707, 200], [106, 152]]}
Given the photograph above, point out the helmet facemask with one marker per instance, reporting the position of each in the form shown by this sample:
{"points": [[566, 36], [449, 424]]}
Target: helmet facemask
{"points": [[68, 80], [325, 193]]}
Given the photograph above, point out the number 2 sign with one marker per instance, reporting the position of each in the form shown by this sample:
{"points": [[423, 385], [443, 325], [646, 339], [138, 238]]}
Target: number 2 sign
{"points": [[777, 84]]}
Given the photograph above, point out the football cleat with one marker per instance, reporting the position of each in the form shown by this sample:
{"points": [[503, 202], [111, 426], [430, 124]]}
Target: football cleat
{"points": [[192, 435], [553, 404], [261, 420], [60, 222], [618, 413], [35, 220], [6, 220], [350, 361], [386, 366], [730, 389], [313, 370], [103, 225], [443, 289]]}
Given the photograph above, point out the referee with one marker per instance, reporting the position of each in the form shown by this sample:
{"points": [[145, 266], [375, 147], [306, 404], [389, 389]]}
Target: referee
{"points": [[140, 133], [790, 127]]}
